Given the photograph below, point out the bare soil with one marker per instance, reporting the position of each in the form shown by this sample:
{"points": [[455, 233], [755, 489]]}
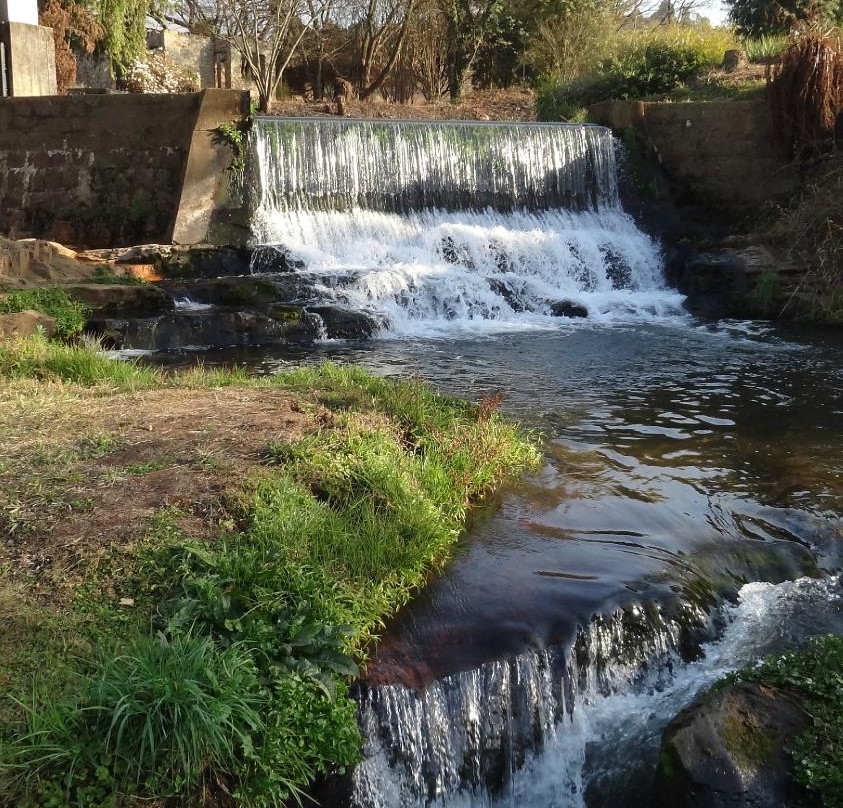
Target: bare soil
{"points": [[83, 471]]}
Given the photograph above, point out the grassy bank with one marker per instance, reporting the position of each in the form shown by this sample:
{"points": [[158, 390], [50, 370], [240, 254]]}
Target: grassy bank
{"points": [[193, 566]]}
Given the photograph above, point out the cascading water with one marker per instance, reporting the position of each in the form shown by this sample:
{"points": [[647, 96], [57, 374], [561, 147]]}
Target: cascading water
{"points": [[566, 729], [447, 228]]}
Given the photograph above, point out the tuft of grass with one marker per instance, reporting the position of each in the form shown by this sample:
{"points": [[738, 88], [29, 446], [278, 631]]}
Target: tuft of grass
{"points": [[766, 293], [37, 358], [68, 314], [161, 713]]}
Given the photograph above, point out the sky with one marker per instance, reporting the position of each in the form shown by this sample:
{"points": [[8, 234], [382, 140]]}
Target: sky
{"points": [[715, 11]]}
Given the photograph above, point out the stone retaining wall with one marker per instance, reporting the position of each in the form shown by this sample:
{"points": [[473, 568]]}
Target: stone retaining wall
{"points": [[716, 155], [107, 170]]}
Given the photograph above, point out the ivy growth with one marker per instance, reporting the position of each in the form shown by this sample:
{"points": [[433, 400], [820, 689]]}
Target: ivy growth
{"points": [[234, 135]]}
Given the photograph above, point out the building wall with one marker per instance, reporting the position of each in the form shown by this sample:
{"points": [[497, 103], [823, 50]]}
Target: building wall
{"points": [[717, 155], [110, 170]]}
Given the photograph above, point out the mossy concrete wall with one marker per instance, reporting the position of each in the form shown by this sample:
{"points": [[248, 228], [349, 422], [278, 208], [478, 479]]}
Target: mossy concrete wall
{"points": [[720, 156], [111, 170]]}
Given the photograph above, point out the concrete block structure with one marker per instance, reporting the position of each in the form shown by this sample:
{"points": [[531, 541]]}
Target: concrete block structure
{"points": [[27, 51]]}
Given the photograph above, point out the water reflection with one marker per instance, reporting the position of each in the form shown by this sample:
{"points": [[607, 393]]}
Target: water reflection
{"points": [[681, 462]]}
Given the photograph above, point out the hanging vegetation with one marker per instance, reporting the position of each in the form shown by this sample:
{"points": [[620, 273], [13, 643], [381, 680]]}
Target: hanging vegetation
{"points": [[806, 94], [73, 25]]}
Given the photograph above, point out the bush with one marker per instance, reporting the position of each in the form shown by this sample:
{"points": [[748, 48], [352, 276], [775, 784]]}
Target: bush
{"points": [[639, 65], [155, 72], [68, 314]]}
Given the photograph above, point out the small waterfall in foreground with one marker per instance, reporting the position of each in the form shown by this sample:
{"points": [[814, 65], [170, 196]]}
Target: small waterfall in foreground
{"points": [[569, 728], [441, 228]]}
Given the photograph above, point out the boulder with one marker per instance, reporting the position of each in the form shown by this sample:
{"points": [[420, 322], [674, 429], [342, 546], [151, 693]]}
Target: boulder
{"points": [[26, 324], [207, 329], [246, 291], [568, 308], [342, 323], [107, 299], [729, 750]]}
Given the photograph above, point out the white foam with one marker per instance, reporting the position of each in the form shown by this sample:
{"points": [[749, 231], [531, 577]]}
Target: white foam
{"points": [[440, 273], [438, 739]]}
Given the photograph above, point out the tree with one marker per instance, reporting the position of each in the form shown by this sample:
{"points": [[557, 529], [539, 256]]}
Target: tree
{"points": [[381, 33], [469, 23], [123, 23], [266, 33], [754, 18]]}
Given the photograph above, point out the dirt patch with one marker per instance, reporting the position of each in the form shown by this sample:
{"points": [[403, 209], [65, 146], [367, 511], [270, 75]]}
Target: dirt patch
{"points": [[516, 104], [82, 471]]}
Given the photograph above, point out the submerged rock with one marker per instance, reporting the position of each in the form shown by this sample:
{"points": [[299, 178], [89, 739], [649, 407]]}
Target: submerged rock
{"points": [[343, 323], [729, 751], [568, 308]]}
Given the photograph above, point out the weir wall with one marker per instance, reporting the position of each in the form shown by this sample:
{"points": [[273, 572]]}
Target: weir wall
{"points": [[110, 170], [719, 156]]}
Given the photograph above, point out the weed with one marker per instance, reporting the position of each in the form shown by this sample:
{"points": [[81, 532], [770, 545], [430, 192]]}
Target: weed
{"points": [[149, 467], [103, 275], [766, 293]]}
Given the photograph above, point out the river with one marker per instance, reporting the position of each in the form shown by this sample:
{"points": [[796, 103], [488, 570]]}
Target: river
{"points": [[687, 518]]}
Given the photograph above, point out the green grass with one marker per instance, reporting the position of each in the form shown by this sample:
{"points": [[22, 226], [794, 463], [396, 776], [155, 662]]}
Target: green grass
{"points": [[814, 679], [68, 314], [37, 358], [231, 671], [102, 275], [766, 47]]}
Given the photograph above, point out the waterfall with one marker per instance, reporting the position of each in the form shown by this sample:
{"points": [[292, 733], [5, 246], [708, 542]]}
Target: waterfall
{"points": [[441, 228], [556, 728]]}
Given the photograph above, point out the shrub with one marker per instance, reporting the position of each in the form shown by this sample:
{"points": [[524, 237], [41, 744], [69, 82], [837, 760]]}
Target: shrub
{"points": [[155, 72], [638, 65], [68, 314]]}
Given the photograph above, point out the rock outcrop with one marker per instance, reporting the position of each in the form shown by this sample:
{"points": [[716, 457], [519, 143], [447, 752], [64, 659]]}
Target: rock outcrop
{"points": [[26, 324], [729, 750]]}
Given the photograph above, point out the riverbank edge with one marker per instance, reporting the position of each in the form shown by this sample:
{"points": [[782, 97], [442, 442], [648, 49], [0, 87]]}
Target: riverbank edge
{"points": [[193, 565]]}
